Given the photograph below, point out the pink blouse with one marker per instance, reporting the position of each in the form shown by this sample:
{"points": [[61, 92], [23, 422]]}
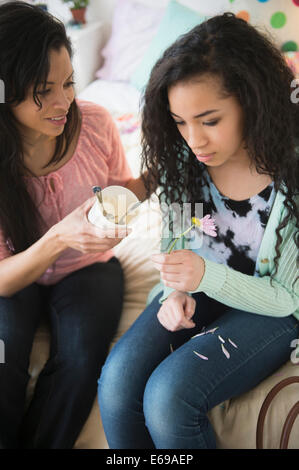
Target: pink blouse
{"points": [[99, 160]]}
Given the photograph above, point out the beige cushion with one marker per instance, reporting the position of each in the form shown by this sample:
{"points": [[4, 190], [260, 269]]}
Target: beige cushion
{"points": [[234, 421]]}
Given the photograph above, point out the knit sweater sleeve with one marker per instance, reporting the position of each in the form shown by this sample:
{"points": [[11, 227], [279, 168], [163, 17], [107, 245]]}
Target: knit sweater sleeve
{"points": [[279, 297], [259, 295], [248, 293]]}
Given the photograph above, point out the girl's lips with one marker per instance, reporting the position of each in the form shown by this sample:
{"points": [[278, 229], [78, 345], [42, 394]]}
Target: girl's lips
{"points": [[60, 122], [204, 158]]}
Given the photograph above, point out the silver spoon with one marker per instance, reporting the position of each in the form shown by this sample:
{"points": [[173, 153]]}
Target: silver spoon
{"points": [[131, 209], [98, 192]]}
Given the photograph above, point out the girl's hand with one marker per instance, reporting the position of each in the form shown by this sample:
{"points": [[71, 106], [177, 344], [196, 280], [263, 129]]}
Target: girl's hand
{"points": [[75, 231], [182, 270], [176, 311]]}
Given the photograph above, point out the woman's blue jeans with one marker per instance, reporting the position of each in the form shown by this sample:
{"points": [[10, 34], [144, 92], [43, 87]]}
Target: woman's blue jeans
{"points": [[84, 310], [150, 397]]}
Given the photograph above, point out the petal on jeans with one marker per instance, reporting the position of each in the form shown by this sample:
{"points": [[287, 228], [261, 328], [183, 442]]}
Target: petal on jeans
{"points": [[205, 332], [213, 330], [227, 354], [199, 334], [231, 342], [201, 356]]}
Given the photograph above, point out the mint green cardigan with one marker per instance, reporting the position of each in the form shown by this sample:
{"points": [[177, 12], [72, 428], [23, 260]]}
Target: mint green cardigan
{"points": [[253, 293]]}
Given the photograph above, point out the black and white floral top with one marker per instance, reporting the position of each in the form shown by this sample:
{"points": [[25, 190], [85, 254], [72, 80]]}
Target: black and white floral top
{"points": [[240, 227]]}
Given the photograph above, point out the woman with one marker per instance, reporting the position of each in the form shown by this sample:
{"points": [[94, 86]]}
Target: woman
{"points": [[220, 129], [53, 149]]}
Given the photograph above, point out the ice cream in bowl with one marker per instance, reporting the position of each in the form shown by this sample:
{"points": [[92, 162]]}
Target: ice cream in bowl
{"points": [[120, 206]]}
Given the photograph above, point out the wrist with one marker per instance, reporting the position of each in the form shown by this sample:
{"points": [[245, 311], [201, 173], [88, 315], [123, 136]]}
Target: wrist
{"points": [[55, 240], [201, 271], [200, 277]]}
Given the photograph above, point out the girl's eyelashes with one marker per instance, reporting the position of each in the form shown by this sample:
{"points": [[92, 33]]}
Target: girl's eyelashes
{"points": [[209, 123], [47, 91]]}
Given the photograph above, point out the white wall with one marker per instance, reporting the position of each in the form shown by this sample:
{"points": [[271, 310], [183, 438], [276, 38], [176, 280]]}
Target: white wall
{"points": [[97, 9], [101, 9]]}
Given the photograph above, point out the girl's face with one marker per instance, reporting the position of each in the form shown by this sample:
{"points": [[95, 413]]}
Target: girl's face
{"points": [[210, 124], [56, 98]]}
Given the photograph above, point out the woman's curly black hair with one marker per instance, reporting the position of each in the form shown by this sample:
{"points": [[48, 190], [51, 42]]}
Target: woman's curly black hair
{"points": [[251, 69]]}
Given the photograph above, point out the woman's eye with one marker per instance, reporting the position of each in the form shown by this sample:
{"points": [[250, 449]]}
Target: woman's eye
{"points": [[43, 92], [179, 123], [46, 92], [211, 123]]}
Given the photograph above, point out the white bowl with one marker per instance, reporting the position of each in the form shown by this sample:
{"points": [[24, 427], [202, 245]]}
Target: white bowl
{"points": [[116, 200]]}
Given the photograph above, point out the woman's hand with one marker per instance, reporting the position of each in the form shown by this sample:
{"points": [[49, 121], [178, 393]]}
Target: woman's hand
{"points": [[176, 311], [75, 231], [182, 270]]}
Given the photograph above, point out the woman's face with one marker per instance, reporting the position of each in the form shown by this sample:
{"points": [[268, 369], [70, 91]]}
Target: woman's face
{"points": [[211, 125], [56, 98]]}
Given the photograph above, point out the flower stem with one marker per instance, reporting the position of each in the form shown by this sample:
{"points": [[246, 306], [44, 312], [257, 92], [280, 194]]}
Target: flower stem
{"points": [[182, 234]]}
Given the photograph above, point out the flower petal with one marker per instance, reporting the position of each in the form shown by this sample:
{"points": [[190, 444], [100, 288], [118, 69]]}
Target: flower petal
{"points": [[221, 339], [199, 334], [225, 352], [231, 342], [205, 332], [210, 232], [209, 226], [213, 330], [201, 356]]}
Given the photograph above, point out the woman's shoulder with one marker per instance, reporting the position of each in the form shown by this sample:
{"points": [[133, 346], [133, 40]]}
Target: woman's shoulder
{"points": [[97, 127], [94, 114]]}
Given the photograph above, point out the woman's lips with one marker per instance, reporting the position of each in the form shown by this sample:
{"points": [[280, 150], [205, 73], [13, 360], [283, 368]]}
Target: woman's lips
{"points": [[59, 122], [204, 158]]}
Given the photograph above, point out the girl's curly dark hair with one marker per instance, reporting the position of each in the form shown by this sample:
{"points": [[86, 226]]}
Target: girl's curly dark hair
{"points": [[251, 69]]}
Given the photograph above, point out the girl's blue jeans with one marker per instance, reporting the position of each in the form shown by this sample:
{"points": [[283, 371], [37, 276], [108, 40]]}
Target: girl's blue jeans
{"points": [[150, 397]]}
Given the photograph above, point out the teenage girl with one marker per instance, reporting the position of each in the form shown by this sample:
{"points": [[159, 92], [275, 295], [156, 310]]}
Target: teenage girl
{"points": [[219, 128]]}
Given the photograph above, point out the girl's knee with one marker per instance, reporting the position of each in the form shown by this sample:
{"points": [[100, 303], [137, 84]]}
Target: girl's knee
{"points": [[160, 402], [169, 402], [116, 385]]}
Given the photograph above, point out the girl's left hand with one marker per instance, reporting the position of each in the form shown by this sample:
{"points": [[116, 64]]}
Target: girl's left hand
{"points": [[182, 270]]}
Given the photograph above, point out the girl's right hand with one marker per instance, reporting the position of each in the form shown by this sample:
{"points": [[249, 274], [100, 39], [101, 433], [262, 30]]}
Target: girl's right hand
{"points": [[75, 231], [176, 311]]}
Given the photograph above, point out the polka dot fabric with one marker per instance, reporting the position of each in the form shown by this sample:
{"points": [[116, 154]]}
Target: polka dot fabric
{"points": [[278, 17]]}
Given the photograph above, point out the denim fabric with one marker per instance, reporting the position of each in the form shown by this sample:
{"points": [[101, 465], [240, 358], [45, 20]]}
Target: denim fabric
{"points": [[84, 310], [150, 397]]}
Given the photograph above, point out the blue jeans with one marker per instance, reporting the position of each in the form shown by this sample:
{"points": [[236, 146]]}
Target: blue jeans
{"points": [[84, 310], [150, 397]]}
